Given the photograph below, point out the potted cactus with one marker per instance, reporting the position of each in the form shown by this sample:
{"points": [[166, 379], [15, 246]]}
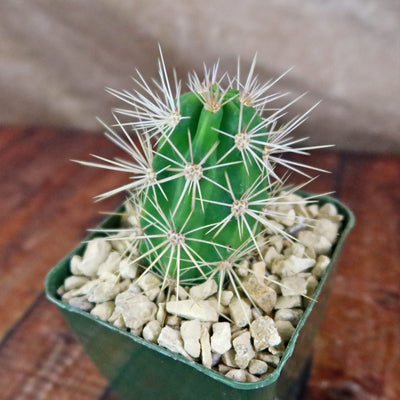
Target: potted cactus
{"points": [[210, 241]]}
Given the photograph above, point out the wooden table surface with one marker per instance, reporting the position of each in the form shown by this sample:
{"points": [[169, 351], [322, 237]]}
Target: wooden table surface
{"points": [[46, 206]]}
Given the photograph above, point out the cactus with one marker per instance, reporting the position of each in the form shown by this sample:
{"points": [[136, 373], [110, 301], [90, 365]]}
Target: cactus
{"points": [[203, 171]]}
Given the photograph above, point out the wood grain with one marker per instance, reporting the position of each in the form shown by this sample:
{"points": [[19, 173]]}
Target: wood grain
{"points": [[40, 359], [43, 195], [357, 355]]}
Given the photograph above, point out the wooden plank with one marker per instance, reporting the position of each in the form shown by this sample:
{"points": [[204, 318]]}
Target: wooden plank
{"points": [[47, 210], [35, 158], [11, 135], [41, 360], [357, 354]]}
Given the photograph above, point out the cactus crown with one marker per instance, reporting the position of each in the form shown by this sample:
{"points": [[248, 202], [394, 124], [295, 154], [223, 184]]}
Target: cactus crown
{"points": [[203, 170]]}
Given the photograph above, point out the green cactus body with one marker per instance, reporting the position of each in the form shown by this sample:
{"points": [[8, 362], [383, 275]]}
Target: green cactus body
{"points": [[215, 172], [204, 190]]}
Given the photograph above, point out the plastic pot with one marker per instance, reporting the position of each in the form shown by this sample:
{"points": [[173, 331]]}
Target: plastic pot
{"points": [[137, 369]]}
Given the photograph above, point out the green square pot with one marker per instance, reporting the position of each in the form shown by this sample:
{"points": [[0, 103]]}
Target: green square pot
{"points": [[137, 369]]}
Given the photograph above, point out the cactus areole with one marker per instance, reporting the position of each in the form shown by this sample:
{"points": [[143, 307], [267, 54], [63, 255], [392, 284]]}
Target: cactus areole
{"points": [[203, 171]]}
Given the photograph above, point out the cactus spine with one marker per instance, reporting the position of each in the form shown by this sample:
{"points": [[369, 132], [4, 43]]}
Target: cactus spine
{"points": [[203, 190]]}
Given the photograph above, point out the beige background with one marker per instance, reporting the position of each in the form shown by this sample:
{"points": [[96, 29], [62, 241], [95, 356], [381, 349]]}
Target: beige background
{"points": [[57, 56]]}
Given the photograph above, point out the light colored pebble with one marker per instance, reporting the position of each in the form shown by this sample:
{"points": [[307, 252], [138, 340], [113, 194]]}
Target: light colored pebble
{"points": [[293, 285], [327, 228], [321, 265], [270, 255], [206, 356], [238, 375], [264, 333], [61, 291], [262, 243], [75, 263], [273, 282], [240, 312], [223, 369], [124, 285], [119, 322], [87, 287], [173, 320], [82, 303], [221, 337], [288, 302], [207, 325], [277, 242], [103, 291], [161, 313], [270, 359], [251, 378], [258, 367], [327, 210], [96, 253], [136, 309], [152, 331], [119, 245], [171, 339], [181, 293], [66, 296], [110, 264], [296, 249], [312, 284], [190, 309], [259, 269], [150, 284], [228, 358], [137, 332], [244, 350], [74, 282], [277, 266], [313, 210], [294, 265], [320, 244], [273, 227], [243, 268], [277, 350], [292, 315], [127, 269], [103, 310], [237, 331], [226, 297], [133, 217], [161, 298], [263, 295], [191, 332], [114, 316], [204, 290], [256, 312], [134, 288], [310, 253], [221, 309], [289, 219], [285, 330]]}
